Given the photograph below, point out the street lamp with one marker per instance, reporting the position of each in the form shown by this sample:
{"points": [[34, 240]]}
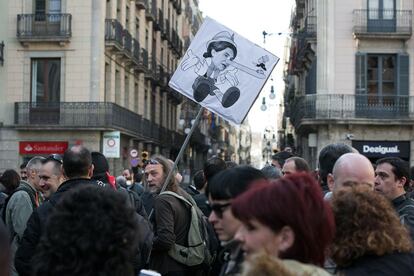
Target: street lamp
{"points": [[272, 95], [263, 107]]}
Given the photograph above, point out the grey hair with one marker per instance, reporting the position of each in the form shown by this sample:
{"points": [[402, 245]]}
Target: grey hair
{"points": [[35, 163]]}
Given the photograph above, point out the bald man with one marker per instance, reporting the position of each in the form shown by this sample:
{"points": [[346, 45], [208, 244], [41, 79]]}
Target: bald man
{"points": [[351, 169]]}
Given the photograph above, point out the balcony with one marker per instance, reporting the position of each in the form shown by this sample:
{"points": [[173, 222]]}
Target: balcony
{"points": [[151, 73], [167, 31], [143, 62], [85, 115], [55, 27], [127, 41], [161, 21], [151, 11], [114, 35], [318, 109], [174, 96], [136, 52], [141, 4], [383, 24], [2, 53]]}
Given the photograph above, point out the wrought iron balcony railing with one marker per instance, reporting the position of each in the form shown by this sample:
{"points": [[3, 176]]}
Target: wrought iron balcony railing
{"points": [[136, 52], [114, 33], [44, 27], [350, 107], [85, 115], [127, 42], [2, 53], [383, 23]]}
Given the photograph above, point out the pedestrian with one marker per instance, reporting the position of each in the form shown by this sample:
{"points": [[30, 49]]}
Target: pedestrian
{"points": [[370, 239], [171, 219], [21, 204], [391, 177], [222, 189], [89, 239], [287, 218]]}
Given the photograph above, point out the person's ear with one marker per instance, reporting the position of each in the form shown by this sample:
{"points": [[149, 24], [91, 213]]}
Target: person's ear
{"points": [[90, 172], [331, 182], [286, 238], [403, 181]]}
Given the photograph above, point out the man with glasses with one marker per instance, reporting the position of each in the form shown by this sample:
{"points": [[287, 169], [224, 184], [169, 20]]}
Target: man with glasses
{"points": [[51, 175], [222, 188]]}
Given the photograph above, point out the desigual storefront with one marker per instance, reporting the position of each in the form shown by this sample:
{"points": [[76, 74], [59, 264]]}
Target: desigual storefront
{"points": [[375, 150]]}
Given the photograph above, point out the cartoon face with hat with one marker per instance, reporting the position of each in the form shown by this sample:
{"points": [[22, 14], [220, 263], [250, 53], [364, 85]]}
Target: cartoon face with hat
{"points": [[217, 70]]}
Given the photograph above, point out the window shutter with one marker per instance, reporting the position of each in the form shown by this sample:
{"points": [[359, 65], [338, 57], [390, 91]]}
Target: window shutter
{"points": [[403, 74], [361, 73]]}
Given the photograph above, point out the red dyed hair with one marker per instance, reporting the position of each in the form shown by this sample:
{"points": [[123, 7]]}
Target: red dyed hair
{"points": [[295, 201]]}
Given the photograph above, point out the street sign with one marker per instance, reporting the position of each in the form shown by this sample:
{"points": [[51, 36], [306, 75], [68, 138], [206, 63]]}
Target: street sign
{"points": [[133, 153], [111, 144]]}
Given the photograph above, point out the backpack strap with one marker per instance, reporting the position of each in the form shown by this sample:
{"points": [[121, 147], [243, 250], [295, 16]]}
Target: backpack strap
{"points": [[189, 202]]}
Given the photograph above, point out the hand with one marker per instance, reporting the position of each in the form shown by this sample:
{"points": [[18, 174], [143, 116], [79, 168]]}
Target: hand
{"points": [[189, 60]]}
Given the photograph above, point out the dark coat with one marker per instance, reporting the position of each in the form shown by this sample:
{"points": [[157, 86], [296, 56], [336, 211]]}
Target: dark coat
{"points": [[37, 222], [401, 264], [172, 223], [404, 206]]}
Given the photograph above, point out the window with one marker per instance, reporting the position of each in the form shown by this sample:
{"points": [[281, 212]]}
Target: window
{"points": [[45, 80], [382, 83], [146, 103], [50, 7], [381, 16]]}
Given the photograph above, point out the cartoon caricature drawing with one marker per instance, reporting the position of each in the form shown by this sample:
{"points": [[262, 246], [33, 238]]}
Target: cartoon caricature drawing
{"points": [[217, 71]]}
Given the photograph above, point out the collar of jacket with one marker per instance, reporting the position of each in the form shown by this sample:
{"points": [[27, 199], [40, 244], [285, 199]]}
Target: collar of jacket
{"points": [[74, 182], [399, 200], [25, 183]]}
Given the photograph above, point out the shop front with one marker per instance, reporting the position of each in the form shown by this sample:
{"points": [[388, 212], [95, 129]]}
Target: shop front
{"points": [[29, 149], [375, 150]]}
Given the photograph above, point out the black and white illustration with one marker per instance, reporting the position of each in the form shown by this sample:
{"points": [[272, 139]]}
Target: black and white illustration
{"points": [[223, 71]]}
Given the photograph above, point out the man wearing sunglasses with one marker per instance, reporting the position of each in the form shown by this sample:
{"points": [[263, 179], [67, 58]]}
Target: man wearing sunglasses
{"points": [[51, 175], [222, 188]]}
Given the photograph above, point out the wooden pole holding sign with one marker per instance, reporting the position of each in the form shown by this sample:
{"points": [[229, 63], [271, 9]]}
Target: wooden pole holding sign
{"points": [[180, 154]]}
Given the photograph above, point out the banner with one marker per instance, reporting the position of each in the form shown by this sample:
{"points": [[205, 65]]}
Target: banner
{"points": [[223, 71]]}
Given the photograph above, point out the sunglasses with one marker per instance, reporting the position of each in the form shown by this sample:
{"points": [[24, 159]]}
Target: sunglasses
{"points": [[219, 209], [151, 162], [55, 157]]}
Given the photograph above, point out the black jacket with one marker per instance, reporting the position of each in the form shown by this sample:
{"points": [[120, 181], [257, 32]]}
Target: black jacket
{"points": [[37, 222], [405, 209], [401, 264]]}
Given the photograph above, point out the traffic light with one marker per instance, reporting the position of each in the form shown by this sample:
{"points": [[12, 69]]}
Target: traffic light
{"points": [[144, 157]]}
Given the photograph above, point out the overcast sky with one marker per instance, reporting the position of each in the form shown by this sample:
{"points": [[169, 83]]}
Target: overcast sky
{"points": [[250, 19]]}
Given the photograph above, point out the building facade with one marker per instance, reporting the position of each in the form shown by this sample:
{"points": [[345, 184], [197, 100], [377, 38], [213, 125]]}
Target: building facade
{"points": [[77, 72], [348, 78]]}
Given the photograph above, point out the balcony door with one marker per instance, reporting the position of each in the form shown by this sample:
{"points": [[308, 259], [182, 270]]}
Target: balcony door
{"points": [[381, 16], [45, 91], [382, 85], [47, 17]]}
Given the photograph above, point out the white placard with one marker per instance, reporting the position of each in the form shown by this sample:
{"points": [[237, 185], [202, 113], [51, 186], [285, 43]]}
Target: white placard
{"points": [[223, 71], [111, 144]]}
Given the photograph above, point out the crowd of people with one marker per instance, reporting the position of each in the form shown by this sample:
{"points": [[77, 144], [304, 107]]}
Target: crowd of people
{"points": [[68, 215]]}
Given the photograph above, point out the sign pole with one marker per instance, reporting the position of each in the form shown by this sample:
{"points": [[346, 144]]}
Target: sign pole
{"points": [[180, 154]]}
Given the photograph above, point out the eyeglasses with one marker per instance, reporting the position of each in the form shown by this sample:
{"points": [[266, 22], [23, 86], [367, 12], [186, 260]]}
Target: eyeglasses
{"points": [[55, 157], [219, 209]]}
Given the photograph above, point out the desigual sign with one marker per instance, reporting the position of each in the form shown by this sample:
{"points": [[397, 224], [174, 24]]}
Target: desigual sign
{"points": [[379, 149]]}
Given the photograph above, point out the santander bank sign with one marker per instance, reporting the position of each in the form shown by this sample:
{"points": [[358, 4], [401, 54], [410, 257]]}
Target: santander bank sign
{"points": [[33, 147]]}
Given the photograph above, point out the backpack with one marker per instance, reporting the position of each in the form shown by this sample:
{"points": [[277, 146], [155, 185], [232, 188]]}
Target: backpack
{"points": [[20, 188], [202, 241]]}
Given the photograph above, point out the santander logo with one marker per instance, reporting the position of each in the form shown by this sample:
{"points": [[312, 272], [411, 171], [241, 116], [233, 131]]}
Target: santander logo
{"points": [[28, 148]]}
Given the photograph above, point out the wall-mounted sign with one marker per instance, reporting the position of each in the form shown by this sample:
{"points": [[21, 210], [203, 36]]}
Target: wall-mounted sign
{"points": [[379, 149], [111, 144], [43, 148]]}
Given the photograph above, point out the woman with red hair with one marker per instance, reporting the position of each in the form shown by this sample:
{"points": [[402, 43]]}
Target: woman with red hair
{"points": [[286, 218]]}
